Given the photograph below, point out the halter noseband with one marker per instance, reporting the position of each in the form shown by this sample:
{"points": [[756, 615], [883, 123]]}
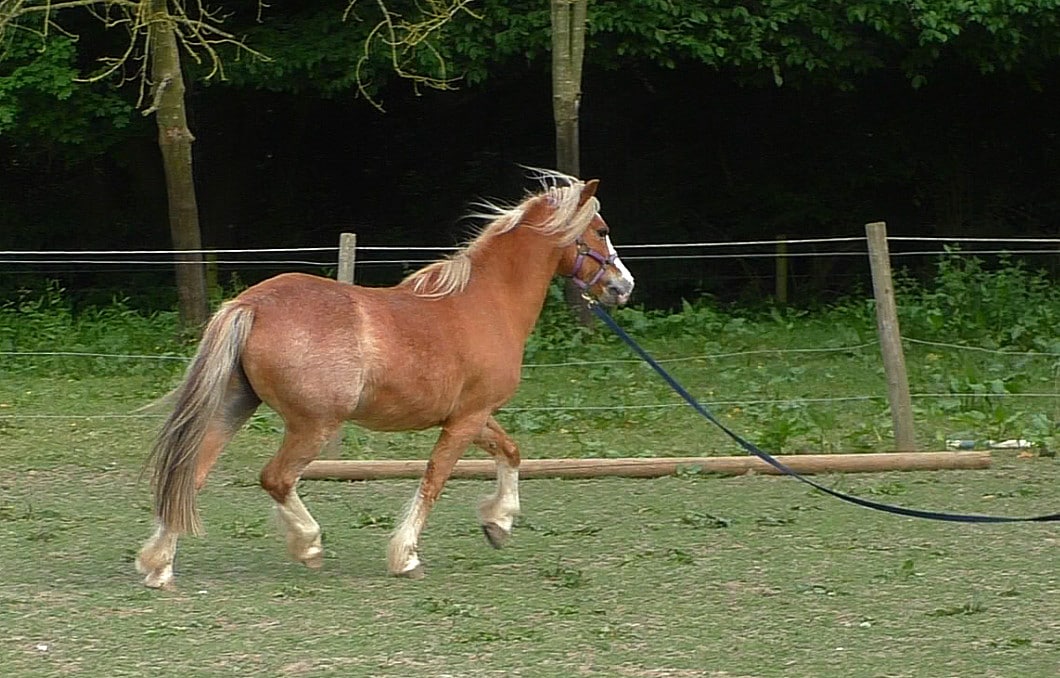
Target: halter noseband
{"points": [[586, 251]]}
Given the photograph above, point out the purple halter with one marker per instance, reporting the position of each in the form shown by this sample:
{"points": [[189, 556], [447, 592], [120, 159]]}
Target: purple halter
{"points": [[586, 251]]}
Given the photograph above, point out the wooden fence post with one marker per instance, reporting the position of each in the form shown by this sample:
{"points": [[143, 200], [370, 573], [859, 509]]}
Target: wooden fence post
{"points": [[213, 288], [890, 338], [782, 270], [347, 257]]}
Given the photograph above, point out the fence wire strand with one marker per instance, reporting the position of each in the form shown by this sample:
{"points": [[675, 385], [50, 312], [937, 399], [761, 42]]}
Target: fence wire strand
{"points": [[617, 407], [595, 363], [30, 257]]}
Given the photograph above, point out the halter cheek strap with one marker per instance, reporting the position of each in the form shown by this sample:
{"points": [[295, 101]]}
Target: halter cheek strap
{"points": [[584, 251]]}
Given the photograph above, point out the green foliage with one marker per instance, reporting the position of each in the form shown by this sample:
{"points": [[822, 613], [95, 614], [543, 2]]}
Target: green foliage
{"points": [[777, 41], [312, 47], [565, 577], [445, 607], [700, 318], [369, 518], [42, 103], [44, 321], [336, 48], [779, 425], [308, 47], [1009, 306], [556, 330], [735, 358], [702, 520]]}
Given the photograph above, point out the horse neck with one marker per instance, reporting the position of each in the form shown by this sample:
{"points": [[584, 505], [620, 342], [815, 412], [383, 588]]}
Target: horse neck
{"points": [[513, 272]]}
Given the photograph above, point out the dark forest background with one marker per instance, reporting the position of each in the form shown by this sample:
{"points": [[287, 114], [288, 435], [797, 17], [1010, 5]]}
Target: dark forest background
{"points": [[808, 129]]}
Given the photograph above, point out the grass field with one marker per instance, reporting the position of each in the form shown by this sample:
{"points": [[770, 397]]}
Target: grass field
{"points": [[684, 576], [691, 575]]}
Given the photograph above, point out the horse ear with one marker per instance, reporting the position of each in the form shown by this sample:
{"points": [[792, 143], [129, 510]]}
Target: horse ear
{"points": [[588, 191]]}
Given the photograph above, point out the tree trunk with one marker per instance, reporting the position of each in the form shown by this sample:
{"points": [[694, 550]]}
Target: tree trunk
{"points": [[174, 140], [568, 48]]}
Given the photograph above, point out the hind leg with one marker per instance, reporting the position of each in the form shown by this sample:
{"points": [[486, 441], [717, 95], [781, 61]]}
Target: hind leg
{"points": [[155, 560], [301, 531], [301, 444], [497, 512]]}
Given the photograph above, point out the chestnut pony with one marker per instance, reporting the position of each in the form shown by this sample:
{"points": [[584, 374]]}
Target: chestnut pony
{"points": [[442, 348]]}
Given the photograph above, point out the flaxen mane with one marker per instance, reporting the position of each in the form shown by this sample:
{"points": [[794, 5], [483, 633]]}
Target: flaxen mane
{"points": [[568, 219]]}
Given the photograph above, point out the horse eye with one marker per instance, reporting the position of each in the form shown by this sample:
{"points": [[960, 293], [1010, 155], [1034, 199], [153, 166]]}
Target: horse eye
{"points": [[602, 232]]}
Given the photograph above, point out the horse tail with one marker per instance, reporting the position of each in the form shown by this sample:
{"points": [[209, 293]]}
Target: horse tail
{"points": [[196, 400]]}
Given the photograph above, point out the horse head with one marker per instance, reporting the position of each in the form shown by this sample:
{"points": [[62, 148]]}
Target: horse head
{"points": [[591, 261]]}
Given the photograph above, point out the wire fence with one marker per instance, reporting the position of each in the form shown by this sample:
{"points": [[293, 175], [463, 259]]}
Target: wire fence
{"points": [[659, 252], [852, 349], [826, 267]]}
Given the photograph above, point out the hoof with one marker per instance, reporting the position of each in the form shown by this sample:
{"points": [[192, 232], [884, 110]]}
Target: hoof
{"points": [[314, 561], [416, 572], [495, 534], [161, 585], [158, 579]]}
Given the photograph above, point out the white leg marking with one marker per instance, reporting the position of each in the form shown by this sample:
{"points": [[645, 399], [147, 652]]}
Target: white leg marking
{"points": [[401, 551], [301, 531], [155, 560], [502, 507]]}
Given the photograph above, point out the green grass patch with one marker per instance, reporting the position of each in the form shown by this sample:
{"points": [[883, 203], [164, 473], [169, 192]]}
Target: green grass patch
{"points": [[606, 577]]}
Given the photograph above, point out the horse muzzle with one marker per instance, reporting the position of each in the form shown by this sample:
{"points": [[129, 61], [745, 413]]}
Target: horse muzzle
{"points": [[616, 292]]}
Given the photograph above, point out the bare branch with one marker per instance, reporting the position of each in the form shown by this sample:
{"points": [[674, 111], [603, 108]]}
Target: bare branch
{"points": [[401, 39], [198, 29], [159, 91], [200, 33], [49, 7]]}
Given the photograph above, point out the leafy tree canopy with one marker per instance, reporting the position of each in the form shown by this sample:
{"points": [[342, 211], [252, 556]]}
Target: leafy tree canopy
{"points": [[42, 102], [318, 46], [331, 48], [831, 42]]}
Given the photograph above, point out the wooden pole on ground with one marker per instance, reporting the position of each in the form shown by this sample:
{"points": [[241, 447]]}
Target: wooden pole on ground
{"points": [[655, 467], [890, 338], [347, 257]]}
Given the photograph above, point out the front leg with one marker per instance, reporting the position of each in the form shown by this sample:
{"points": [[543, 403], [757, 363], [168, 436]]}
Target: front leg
{"points": [[497, 512], [402, 558]]}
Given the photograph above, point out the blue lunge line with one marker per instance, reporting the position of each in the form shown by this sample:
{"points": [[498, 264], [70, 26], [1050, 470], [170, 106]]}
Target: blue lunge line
{"points": [[780, 466]]}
